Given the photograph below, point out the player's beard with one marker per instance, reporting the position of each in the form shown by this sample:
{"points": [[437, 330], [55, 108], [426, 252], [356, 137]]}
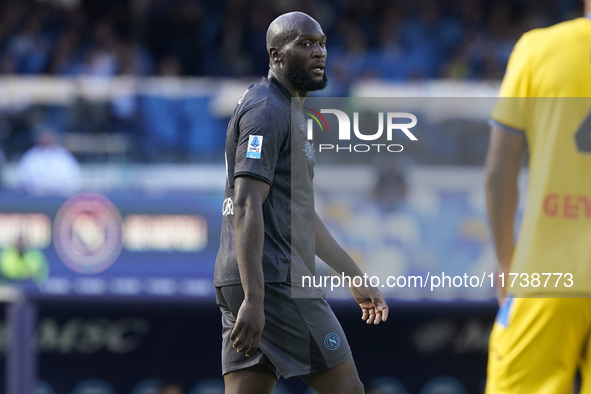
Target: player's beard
{"points": [[302, 79]]}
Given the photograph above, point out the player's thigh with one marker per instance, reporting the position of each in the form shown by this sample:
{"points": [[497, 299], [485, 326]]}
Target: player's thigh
{"points": [[342, 379], [534, 346], [586, 370], [585, 365], [257, 379]]}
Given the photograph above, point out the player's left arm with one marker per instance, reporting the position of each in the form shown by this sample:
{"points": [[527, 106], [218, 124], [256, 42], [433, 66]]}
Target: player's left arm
{"points": [[372, 303], [503, 162]]}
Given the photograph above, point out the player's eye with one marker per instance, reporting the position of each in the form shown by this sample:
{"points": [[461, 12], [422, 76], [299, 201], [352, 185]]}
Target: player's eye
{"points": [[322, 44], [305, 44]]}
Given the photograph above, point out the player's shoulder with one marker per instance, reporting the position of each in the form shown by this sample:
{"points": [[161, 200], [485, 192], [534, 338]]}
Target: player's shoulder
{"points": [[555, 35], [572, 26], [263, 99], [264, 92]]}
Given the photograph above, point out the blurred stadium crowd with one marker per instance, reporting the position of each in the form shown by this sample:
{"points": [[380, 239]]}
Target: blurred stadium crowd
{"points": [[392, 40], [370, 40]]}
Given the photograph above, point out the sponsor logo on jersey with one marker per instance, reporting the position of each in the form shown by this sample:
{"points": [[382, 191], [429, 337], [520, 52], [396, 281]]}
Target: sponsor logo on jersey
{"points": [[228, 207]]}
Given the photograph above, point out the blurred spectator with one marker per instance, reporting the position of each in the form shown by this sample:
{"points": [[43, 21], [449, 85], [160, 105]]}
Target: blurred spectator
{"points": [[103, 58], [64, 52], [171, 389], [390, 190], [93, 386], [385, 385], [20, 262], [170, 66], [136, 60], [2, 163], [48, 168], [443, 385], [8, 65], [216, 386], [30, 47]]}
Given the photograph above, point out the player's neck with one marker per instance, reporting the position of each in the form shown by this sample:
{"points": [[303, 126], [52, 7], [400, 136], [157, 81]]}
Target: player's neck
{"points": [[283, 80]]}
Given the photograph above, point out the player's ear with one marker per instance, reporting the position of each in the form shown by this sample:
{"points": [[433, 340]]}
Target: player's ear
{"points": [[274, 55]]}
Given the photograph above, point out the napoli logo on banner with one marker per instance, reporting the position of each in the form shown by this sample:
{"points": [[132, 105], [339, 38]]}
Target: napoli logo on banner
{"points": [[87, 233], [332, 341]]}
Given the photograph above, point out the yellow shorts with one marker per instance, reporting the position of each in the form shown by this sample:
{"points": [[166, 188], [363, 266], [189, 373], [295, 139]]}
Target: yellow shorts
{"points": [[537, 345]]}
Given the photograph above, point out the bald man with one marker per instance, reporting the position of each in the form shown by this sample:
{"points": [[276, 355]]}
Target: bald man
{"points": [[269, 239]]}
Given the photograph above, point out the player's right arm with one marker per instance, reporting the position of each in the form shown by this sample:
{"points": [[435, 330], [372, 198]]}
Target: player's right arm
{"points": [[505, 152], [503, 162], [260, 136], [250, 193]]}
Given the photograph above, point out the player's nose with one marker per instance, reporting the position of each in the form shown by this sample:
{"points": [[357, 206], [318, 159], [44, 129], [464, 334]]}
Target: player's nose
{"points": [[319, 52]]}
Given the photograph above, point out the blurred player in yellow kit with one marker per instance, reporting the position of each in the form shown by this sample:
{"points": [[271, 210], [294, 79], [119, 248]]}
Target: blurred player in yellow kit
{"points": [[538, 344]]}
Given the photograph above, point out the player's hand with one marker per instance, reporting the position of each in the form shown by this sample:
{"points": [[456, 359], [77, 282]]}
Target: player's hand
{"points": [[501, 291], [373, 306], [248, 328]]}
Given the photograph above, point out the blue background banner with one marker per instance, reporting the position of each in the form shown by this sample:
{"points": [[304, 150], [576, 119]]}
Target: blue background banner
{"points": [[167, 246]]}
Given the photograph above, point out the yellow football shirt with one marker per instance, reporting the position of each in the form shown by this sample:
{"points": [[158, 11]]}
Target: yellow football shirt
{"points": [[546, 94]]}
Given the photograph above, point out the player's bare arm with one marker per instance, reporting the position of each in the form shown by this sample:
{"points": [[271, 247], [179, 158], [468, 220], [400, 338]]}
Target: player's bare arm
{"points": [[503, 162], [372, 303], [250, 235]]}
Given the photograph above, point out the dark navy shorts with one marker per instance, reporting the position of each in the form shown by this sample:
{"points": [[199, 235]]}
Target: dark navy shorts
{"points": [[301, 335]]}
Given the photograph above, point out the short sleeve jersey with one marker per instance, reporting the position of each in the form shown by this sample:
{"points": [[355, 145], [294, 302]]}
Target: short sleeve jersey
{"points": [[546, 95], [266, 140]]}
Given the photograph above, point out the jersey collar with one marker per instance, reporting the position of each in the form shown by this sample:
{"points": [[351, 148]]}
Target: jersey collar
{"points": [[282, 88]]}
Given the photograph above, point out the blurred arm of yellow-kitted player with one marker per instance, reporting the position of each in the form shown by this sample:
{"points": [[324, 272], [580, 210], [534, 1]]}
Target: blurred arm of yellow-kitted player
{"points": [[503, 162]]}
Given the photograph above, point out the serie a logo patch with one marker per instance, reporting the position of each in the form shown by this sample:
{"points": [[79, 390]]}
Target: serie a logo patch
{"points": [[255, 145]]}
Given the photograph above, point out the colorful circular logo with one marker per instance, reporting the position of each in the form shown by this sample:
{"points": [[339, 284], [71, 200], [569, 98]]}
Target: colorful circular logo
{"points": [[332, 341], [87, 233]]}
